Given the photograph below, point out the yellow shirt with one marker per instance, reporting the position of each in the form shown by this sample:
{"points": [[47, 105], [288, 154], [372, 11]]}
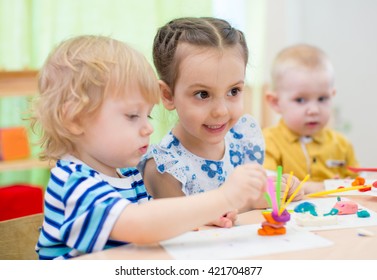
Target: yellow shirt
{"points": [[325, 155]]}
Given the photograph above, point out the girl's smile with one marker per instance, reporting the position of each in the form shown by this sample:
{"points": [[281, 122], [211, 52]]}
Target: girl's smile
{"points": [[215, 128]]}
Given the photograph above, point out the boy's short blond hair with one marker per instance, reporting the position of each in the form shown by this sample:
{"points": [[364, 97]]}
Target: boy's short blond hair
{"points": [[76, 78], [300, 57]]}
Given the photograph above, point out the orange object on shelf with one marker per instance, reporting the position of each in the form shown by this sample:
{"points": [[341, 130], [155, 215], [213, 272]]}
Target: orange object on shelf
{"points": [[14, 143]]}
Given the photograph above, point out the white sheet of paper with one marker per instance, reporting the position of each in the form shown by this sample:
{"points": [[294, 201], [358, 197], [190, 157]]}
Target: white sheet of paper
{"points": [[239, 242], [333, 184], [324, 205]]}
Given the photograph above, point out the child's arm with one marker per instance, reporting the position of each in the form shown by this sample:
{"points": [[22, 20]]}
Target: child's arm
{"points": [[161, 219], [165, 185], [160, 185]]}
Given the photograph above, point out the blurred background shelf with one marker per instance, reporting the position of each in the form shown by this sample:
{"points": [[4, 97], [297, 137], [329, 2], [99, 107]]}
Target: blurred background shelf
{"points": [[23, 164], [20, 83]]}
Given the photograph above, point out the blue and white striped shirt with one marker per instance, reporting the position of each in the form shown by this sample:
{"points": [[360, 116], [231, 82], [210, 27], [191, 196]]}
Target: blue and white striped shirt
{"points": [[82, 206]]}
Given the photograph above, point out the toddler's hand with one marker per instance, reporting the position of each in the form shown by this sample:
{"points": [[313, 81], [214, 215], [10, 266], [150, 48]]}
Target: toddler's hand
{"points": [[228, 220], [246, 183]]}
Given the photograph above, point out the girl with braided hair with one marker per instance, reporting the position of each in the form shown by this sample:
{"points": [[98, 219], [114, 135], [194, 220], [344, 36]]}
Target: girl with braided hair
{"points": [[201, 63]]}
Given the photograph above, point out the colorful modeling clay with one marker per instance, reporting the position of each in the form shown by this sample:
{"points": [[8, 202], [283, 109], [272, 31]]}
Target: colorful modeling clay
{"points": [[278, 216], [306, 215], [332, 212], [363, 214], [282, 218], [271, 227], [367, 188], [346, 207], [306, 207], [359, 181]]}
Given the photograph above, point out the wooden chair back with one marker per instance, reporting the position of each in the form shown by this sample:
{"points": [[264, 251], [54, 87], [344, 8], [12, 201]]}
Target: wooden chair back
{"points": [[19, 236]]}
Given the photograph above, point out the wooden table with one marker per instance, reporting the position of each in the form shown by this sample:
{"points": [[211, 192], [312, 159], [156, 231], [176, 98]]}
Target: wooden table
{"points": [[348, 245]]}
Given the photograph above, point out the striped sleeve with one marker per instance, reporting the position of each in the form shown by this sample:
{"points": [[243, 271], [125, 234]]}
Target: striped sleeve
{"points": [[80, 212]]}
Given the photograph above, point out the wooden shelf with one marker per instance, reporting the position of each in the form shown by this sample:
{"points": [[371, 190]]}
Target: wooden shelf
{"points": [[20, 83], [23, 164]]}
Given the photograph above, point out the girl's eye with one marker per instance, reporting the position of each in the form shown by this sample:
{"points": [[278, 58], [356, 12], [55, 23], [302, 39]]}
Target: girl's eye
{"points": [[234, 92], [202, 95]]}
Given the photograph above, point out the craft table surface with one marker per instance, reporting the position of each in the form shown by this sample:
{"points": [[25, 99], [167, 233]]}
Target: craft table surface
{"points": [[348, 245]]}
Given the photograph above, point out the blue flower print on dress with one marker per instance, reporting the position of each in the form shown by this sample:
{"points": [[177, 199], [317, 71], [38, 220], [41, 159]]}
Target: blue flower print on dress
{"points": [[235, 157], [212, 168], [197, 174], [256, 154], [175, 142], [221, 179], [161, 168], [235, 134]]}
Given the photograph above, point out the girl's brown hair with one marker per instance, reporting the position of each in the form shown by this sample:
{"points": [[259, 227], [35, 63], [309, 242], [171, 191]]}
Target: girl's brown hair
{"points": [[201, 32]]}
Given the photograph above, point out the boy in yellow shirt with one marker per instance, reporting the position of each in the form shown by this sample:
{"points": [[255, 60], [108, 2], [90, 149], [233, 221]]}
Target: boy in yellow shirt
{"points": [[302, 91]]}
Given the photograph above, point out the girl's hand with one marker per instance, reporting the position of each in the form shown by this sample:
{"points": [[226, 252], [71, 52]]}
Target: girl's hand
{"points": [[295, 182], [245, 185]]}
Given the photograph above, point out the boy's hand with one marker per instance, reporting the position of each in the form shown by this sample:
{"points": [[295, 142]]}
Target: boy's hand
{"points": [[228, 220]]}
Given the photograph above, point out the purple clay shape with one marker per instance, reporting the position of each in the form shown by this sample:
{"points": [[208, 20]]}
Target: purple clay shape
{"points": [[284, 217]]}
